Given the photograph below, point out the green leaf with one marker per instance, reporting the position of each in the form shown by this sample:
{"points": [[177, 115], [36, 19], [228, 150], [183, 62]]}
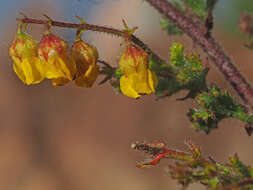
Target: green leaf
{"points": [[213, 182], [251, 171], [167, 87], [189, 71], [170, 27], [118, 73], [239, 166], [216, 105], [198, 6]]}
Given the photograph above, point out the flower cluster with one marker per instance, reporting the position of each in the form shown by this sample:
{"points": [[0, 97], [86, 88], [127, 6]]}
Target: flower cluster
{"points": [[192, 167], [51, 59], [33, 61]]}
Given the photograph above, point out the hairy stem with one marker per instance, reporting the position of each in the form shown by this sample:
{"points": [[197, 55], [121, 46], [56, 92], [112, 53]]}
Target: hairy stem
{"points": [[209, 46], [116, 32]]}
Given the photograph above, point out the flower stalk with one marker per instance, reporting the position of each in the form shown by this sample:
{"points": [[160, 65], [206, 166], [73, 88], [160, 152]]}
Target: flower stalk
{"points": [[97, 28]]}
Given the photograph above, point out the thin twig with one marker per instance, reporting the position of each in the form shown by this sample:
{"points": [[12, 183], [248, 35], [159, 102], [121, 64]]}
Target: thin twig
{"points": [[107, 70], [105, 64], [116, 32], [209, 46]]}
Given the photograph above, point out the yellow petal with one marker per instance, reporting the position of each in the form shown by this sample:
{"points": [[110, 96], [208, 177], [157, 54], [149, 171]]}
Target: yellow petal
{"points": [[18, 70], [27, 71], [85, 56], [138, 83], [71, 67], [87, 79], [60, 81], [126, 87], [132, 58], [57, 67], [152, 80]]}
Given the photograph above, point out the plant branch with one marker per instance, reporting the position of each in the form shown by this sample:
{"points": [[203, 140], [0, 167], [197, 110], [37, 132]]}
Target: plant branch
{"points": [[209, 46], [116, 32]]}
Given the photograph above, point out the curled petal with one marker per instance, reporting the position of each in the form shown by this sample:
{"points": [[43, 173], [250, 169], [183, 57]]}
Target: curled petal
{"points": [[27, 71], [137, 84], [85, 56], [152, 80], [127, 88], [23, 52], [60, 81], [89, 77], [55, 63], [58, 67]]}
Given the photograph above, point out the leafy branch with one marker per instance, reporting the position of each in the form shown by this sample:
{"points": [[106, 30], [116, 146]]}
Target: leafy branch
{"points": [[191, 167], [209, 46], [140, 71], [185, 72]]}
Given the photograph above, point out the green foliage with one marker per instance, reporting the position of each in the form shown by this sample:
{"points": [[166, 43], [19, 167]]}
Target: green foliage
{"points": [[191, 167], [187, 68], [198, 6], [167, 83], [170, 27], [118, 73], [190, 72], [214, 106], [176, 55], [164, 84], [187, 73], [239, 167]]}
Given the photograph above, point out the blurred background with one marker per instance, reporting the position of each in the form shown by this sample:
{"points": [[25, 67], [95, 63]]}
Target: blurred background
{"points": [[72, 138]]}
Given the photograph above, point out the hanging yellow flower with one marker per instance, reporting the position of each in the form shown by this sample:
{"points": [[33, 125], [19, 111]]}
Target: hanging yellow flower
{"points": [[85, 57], [137, 79], [55, 62], [23, 52]]}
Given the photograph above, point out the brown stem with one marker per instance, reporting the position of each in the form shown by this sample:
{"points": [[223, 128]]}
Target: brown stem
{"points": [[209, 46], [191, 13], [96, 28]]}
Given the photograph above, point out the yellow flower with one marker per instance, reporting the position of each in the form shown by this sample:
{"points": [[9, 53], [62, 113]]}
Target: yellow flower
{"points": [[55, 62], [85, 57], [23, 52], [137, 79]]}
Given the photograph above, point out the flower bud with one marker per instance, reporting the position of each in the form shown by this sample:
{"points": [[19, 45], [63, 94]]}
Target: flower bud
{"points": [[137, 79], [55, 62], [85, 57], [23, 52]]}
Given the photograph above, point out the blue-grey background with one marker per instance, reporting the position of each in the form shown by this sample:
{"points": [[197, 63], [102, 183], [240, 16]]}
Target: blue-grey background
{"points": [[74, 138]]}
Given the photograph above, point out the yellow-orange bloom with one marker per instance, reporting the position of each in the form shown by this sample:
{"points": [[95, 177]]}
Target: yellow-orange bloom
{"points": [[85, 56], [23, 52], [137, 79], [55, 62]]}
